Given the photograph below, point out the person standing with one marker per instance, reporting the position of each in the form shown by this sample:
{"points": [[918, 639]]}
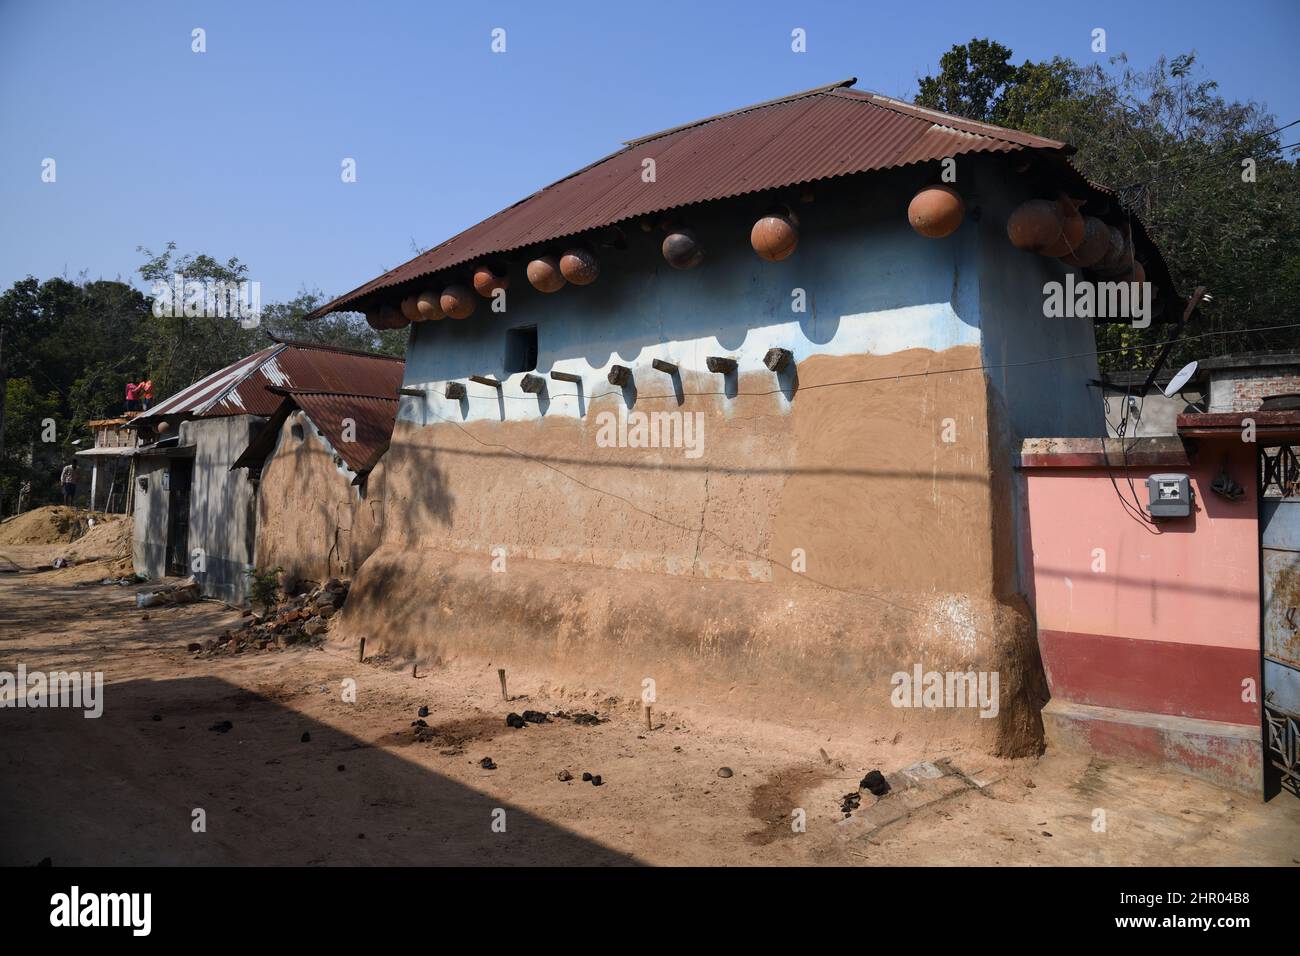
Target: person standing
{"points": [[145, 394], [68, 481], [132, 397]]}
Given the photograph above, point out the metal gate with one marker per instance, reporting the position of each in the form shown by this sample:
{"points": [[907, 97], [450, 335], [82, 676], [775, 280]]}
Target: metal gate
{"points": [[1280, 559]]}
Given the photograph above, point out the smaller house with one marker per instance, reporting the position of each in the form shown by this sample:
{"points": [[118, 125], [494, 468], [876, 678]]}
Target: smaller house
{"points": [[194, 512], [316, 518]]}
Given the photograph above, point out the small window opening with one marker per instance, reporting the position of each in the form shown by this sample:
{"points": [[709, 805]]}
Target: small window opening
{"points": [[521, 349]]}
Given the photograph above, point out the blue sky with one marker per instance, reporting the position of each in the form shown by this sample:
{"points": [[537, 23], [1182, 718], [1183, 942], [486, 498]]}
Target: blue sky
{"points": [[237, 151]]}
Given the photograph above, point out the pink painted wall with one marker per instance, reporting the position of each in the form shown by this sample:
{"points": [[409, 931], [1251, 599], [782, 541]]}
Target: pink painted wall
{"points": [[1171, 625]]}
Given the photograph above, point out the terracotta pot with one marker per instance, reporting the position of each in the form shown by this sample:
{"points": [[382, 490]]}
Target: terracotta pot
{"points": [[1035, 225], [1072, 228], [429, 306], [409, 310], [775, 236], [487, 281], [579, 266], [682, 250], [1117, 262], [457, 301], [1095, 244], [936, 211], [544, 274], [373, 320], [164, 428], [392, 318]]}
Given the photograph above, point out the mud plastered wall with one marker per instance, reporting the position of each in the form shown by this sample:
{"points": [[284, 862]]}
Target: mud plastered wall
{"points": [[306, 507], [834, 528]]}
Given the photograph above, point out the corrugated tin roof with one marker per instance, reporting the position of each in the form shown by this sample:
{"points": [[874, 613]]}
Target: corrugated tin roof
{"points": [[818, 134], [372, 420], [244, 387]]}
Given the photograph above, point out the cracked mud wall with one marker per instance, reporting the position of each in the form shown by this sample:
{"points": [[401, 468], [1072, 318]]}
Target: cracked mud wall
{"points": [[311, 521], [625, 563]]}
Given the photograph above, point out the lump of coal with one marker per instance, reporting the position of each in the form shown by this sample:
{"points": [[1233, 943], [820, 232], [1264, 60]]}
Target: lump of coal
{"points": [[487, 764], [306, 737], [724, 772], [419, 723], [536, 717], [514, 720], [586, 776], [564, 776], [876, 783], [850, 802], [587, 720], [595, 780], [222, 727], [422, 712]]}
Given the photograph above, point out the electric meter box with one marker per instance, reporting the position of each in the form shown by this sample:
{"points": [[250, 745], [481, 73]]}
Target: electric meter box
{"points": [[1170, 496]]}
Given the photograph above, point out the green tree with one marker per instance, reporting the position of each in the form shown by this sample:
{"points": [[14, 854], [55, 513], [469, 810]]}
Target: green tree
{"points": [[1173, 148]]}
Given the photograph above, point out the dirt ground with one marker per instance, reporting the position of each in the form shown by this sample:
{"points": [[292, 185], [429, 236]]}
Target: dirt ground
{"points": [[123, 788]]}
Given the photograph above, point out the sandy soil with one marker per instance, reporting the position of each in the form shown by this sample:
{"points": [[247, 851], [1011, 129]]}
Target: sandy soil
{"points": [[364, 790]]}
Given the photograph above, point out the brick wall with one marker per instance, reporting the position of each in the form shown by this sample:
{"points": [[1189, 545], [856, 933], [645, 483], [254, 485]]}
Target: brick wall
{"points": [[1242, 389]]}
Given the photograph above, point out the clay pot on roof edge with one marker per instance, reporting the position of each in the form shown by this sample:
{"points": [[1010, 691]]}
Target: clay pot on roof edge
{"points": [[544, 274], [457, 302], [1035, 225], [1072, 228], [409, 309], [428, 304], [936, 211], [1095, 244], [681, 249], [579, 266], [776, 234], [391, 318], [487, 280]]}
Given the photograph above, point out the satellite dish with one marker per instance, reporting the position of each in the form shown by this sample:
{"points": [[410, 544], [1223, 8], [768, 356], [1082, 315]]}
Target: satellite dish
{"points": [[1178, 381]]}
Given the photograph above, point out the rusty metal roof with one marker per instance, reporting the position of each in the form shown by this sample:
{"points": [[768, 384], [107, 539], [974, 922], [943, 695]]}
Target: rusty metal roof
{"points": [[360, 447], [245, 387], [819, 134]]}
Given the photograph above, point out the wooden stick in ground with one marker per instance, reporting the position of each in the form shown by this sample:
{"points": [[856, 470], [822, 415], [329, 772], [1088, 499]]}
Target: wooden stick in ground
{"points": [[649, 725], [361, 655], [501, 673]]}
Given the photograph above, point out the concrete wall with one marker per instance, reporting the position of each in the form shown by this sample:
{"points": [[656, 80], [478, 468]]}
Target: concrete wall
{"points": [[307, 507], [1155, 415], [1148, 634], [222, 503], [881, 460], [222, 508], [149, 538]]}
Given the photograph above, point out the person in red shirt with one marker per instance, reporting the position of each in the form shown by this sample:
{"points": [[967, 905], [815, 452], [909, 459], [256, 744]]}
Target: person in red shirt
{"points": [[132, 397], [146, 394]]}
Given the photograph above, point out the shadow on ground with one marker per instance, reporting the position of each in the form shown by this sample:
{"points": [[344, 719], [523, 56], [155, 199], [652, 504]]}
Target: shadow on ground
{"points": [[122, 789]]}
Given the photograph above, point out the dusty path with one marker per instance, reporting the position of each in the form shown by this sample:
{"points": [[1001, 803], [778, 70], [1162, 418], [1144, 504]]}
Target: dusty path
{"points": [[363, 790]]}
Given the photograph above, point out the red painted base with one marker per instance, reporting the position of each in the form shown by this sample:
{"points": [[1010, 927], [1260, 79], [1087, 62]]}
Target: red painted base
{"points": [[1225, 754]]}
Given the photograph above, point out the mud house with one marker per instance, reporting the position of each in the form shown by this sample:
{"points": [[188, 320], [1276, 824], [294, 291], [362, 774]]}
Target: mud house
{"points": [[194, 511], [735, 410], [316, 517]]}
